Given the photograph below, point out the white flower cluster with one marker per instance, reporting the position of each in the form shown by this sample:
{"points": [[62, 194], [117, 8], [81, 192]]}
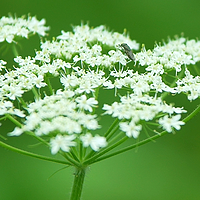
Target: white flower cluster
{"points": [[59, 114], [45, 118], [135, 109], [85, 44], [15, 82], [175, 55], [84, 61], [30, 74], [138, 83], [190, 85], [82, 81], [10, 28], [172, 55]]}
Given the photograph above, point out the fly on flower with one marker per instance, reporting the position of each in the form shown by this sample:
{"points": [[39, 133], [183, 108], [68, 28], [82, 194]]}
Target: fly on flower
{"points": [[128, 51]]}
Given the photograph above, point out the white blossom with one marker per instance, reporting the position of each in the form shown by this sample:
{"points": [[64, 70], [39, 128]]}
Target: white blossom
{"points": [[169, 123], [62, 142], [85, 103], [131, 129], [95, 142], [11, 27]]}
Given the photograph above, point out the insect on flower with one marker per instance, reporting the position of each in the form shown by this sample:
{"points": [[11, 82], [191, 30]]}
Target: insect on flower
{"points": [[128, 51]]}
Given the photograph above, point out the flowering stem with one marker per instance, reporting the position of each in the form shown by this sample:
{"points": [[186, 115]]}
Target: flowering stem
{"points": [[186, 119], [32, 154], [132, 146], [92, 159], [79, 176], [11, 118]]}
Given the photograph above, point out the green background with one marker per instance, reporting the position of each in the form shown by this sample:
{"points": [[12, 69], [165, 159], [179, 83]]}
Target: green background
{"points": [[165, 169]]}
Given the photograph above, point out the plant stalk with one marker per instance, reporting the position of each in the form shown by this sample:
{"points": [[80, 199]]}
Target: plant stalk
{"points": [[79, 176]]}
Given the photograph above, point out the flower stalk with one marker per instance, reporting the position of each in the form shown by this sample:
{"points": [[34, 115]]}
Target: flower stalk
{"points": [[79, 176]]}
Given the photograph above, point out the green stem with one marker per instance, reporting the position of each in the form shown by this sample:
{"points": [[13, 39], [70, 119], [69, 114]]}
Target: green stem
{"points": [[49, 84], [12, 119], [79, 176], [186, 119], [37, 96], [192, 114], [32, 154], [14, 49], [17, 123], [1, 136], [131, 147], [107, 134], [92, 159], [21, 100], [68, 157]]}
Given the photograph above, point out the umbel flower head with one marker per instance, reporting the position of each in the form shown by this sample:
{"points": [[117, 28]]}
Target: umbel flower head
{"points": [[13, 27], [85, 62]]}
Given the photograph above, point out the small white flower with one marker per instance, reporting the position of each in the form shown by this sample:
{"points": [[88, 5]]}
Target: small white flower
{"points": [[2, 63], [16, 132], [131, 129], [169, 123], [38, 81], [37, 26], [62, 142], [13, 91], [88, 121], [85, 103], [108, 84], [110, 109], [95, 142]]}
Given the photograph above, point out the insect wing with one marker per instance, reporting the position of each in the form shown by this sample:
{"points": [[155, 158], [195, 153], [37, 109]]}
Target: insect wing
{"points": [[128, 51]]}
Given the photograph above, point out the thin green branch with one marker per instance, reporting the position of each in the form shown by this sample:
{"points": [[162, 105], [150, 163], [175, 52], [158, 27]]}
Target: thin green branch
{"points": [[12, 119], [186, 119], [192, 114], [104, 151], [49, 84], [81, 151], [37, 96], [32, 154], [116, 138], [1, 136], [90, 154], [111, 128], [17, 123], [68, 157], [14, 49], [74, 155], [131, 146], [21, 100], [57, 171]]}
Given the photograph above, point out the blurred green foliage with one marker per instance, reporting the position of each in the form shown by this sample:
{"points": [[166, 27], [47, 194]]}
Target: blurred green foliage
{"points": [[165, 169]]}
